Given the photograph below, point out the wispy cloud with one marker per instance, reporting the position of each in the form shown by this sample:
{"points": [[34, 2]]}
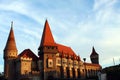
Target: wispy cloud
{"points": [[105, 9]]}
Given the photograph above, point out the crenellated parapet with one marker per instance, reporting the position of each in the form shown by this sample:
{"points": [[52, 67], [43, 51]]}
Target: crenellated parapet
{"points": [[25, 59], [11, 54], [35, 72]]}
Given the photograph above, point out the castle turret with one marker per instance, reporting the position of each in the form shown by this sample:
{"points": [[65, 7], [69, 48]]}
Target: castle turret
{"points": [[47, 40], [94, 57], [47, 52], [10, 54]]}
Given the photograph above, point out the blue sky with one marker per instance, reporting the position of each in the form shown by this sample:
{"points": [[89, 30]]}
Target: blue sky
{"points": [[80, 24]]}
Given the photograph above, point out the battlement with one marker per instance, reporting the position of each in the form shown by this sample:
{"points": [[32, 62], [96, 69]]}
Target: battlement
{"points": [[26, 58], [35, 72]]}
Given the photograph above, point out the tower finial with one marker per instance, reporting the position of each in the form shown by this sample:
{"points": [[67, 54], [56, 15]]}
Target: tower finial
{"points": [[93, 49], [11, 24]]}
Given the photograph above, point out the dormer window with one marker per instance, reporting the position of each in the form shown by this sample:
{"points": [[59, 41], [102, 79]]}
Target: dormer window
{"points": [[48, 47], [52, 47]]}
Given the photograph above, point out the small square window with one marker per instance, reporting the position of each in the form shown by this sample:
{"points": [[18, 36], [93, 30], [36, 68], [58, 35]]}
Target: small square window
{"points": [[50, 63]]}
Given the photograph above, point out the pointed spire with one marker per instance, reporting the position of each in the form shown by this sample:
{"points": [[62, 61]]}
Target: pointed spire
{"points": [[47, 37], [93, 51], [11, 45], [12, 24]]}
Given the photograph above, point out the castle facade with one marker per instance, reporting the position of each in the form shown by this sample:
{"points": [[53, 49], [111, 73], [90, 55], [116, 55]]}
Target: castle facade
{"points": [[54, 61]]}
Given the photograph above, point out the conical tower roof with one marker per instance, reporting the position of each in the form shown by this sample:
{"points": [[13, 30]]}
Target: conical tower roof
{"points": [[11, 45], [93, 52], [47, 37]]}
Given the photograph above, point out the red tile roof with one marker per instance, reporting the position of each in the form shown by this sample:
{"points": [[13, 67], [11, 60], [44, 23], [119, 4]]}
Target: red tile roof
{"points": [[66, 50], [27, 53], [78, 58], [11, 45], [47, 38], [91, 64]]}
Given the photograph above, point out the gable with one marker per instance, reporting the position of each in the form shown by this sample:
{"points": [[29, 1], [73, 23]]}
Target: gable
{"points": [[28, 54]]}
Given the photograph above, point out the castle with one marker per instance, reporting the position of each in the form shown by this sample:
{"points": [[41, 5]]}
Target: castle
{"points": [[54, 61]]}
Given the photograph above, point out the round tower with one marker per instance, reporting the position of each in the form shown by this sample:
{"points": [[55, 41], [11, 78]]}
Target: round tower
{"points": [[94, 57], [10, 54]]}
